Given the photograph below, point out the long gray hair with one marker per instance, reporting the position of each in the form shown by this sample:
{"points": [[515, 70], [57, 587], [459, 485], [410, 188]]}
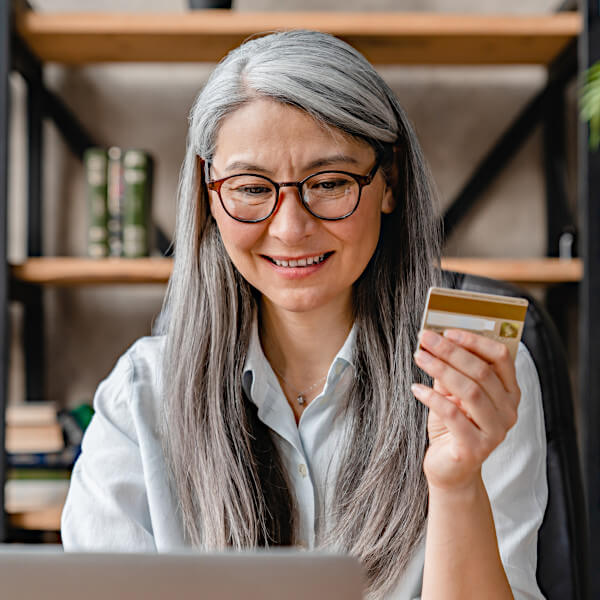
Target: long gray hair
{"points": [[229, 479]]}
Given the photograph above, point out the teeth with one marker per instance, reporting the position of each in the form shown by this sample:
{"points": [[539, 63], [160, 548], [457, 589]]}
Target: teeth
{"points": [[302, 262]]}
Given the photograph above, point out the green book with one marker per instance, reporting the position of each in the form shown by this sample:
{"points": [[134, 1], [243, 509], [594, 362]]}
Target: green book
{"points": [[95, 162], [137, 194], [114, 201], [37, 474]]}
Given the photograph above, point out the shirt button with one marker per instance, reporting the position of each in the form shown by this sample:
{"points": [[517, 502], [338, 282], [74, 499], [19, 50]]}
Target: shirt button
{"points": [[302, 470], [338, 368]]}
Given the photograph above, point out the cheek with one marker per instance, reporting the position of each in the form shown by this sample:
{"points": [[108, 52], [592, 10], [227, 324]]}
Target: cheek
{"points": [[238, 238], [361, 231]]}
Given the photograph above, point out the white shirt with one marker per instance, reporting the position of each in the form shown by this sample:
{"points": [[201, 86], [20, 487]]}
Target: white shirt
{"points": [[120, 498]]}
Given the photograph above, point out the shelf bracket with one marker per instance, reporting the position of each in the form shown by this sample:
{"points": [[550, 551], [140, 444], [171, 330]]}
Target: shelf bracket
{"points": [[511, 140]]}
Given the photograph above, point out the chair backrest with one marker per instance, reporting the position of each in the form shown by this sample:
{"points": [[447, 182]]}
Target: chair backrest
{"points": [[563, 536]]}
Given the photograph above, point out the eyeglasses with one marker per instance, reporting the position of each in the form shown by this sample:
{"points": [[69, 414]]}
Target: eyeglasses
{"points": [[327, 195]]}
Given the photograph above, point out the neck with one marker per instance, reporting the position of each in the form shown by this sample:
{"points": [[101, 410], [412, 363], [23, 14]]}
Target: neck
{"points": [[301, 345]]}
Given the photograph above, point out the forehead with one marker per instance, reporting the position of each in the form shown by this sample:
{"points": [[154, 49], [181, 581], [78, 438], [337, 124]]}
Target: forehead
{"points": [[274, 133]]}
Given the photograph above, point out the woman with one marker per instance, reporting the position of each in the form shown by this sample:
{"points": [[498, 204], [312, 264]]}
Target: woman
{"points": [[278, 405]]}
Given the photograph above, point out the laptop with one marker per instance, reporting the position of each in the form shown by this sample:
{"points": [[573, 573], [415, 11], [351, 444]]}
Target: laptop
{"points": [[28, 574]]}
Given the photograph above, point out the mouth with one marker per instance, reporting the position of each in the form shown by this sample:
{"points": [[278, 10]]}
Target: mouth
{"points": [[295, 263]]}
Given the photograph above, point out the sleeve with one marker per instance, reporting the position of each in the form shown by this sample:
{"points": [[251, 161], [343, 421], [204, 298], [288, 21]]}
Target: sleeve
{"points": [[515, 480], [106, 507]]}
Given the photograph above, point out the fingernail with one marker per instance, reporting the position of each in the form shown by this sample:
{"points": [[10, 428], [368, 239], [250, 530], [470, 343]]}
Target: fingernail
{"points": [[454, 335], [417, 389], [422, 356]]}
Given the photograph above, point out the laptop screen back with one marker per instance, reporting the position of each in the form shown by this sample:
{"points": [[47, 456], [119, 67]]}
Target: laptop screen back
{"points": [[292, 575]]}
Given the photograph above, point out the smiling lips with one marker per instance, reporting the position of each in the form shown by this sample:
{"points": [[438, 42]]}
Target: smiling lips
{"points": [[307, 261]]}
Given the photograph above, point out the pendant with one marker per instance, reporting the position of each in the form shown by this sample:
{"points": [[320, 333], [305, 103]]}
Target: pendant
{"points": [[300, 399]]}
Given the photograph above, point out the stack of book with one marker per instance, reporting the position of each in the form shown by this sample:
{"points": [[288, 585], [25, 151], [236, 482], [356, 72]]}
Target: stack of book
{"points": [[119, 192], [42, 446]]}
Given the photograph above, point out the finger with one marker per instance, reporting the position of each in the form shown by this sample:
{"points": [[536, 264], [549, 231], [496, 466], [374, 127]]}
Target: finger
{"points": [[438, 387], [491, 351], [463, 430], [473, 400], [466, 362]]}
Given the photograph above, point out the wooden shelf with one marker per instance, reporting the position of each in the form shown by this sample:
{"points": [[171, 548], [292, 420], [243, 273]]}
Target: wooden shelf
{"points": [[384, 38], [522, 271], [87, 271]]}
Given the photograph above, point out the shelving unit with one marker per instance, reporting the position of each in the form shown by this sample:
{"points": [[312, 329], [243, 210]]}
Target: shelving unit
{"points": [[384, 38], [88, 271]]}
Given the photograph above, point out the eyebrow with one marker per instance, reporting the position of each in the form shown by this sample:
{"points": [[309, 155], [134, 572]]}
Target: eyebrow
{"points": [[241, 165]]}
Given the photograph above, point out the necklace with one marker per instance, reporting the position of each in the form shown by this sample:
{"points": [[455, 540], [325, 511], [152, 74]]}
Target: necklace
{"points": [[300, 396]]}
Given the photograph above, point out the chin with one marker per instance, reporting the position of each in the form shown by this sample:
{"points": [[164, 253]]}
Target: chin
{"points": [[300, 303]]}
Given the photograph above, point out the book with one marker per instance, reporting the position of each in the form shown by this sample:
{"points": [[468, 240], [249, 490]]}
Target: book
{"points": [[38, 473], [25, 495], [34, 438], [114, 201], [30, 413], [37, 481], [137, 193], [34, 498], [33, 428], [95, 165], [63, 459]]}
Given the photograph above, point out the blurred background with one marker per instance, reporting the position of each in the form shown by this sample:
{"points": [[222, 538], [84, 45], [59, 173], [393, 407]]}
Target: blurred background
{"points": [[458, 113]]}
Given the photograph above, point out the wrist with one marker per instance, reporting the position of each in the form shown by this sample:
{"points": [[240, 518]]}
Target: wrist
{"points": [[465, 492]]}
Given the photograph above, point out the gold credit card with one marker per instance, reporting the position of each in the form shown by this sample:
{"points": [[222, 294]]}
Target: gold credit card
{"points": [[500, 318]]}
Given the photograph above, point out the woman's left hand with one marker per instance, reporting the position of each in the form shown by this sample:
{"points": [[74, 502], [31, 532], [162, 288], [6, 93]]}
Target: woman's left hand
{"points": [[472, 404]]}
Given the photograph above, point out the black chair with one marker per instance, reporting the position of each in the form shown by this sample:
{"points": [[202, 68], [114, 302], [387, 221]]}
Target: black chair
{"points": [[563, 537]]}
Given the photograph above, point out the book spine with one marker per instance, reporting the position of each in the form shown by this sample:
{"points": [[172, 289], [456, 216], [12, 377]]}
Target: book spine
{"points": [[95, 162], [43, 460], [38, 473], [137, 191], [114, 201]]}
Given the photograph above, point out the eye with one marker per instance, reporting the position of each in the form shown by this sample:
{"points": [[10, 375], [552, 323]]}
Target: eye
{"points": [[329, 184], [254, 190]]}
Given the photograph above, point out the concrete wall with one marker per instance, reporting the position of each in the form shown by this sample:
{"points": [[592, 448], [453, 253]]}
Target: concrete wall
{"points": [[458, 114]]}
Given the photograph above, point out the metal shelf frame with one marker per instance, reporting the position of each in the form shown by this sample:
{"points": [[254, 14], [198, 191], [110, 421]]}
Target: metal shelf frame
{"points": [[589, 292], [5, 67]]}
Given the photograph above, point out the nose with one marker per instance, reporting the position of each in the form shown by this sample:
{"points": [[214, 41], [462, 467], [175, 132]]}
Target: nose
{"points": [[291, 222]]}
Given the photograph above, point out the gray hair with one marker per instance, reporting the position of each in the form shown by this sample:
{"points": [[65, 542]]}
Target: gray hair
{"points": [[229, 478]]}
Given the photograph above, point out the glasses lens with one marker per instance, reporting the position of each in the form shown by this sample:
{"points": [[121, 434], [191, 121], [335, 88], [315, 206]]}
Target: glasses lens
{"points": [[331, 195], [248, 197]]}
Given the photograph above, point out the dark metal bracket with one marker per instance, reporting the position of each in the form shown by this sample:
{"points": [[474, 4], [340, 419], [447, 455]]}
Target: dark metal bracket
{"points": [[5, 28], [589, 292], [560, 72], [52, 107]]}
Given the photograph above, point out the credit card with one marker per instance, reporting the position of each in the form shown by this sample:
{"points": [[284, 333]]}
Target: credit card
{"points": [[500, 318]]}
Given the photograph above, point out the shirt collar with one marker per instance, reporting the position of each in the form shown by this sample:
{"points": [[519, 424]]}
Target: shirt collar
{"points": [[258, 377]]}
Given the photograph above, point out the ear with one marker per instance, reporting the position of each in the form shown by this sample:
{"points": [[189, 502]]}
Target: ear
{"points": [[388, 202]]}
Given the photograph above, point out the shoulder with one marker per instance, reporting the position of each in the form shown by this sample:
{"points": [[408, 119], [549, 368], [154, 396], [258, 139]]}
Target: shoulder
{"points": [[132, 392], [119, 496]]}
